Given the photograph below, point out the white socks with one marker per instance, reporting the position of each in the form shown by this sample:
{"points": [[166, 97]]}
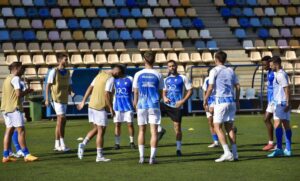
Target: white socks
{"points": [[99, 152], [131, 139], [141, 151], [62, 142], [178, 145], [159, 128], [56, 143], [117, 140], [271, 143], [226, 149], [85, 141], [153, 153]]}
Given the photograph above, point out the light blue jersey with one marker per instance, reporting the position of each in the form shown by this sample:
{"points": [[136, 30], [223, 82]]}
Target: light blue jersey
{"points": [[149, 83], [123, 94], [223, 79], [281, 80], [211, 98], [174, 86], [270, 85]]}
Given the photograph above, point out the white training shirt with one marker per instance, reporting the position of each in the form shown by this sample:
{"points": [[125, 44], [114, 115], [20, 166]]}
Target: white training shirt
{"points": [[281, 80], [16, 82], [51, 77]]}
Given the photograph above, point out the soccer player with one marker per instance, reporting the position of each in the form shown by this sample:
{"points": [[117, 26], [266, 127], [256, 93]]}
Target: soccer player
{"points": [[174, 98], [11, 104], [59, 82], [123, 105], [147, 84], [281, 115], [100, 99], [209, 113], [269, 111], [223, 80]]}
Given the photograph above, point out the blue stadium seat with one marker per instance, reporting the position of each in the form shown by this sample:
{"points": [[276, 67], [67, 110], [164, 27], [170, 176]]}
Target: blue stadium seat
{"points": [[255, 22], [136, 12], [230, 2], [113, 12], [141, 2], [125, 35], [16, 35], [4, 35], [102, 12], [187, 23], [200, 45], [136, 35], [51, 2], [29, 35], [263, 33], [131, 3], [73, 24], [236, 12], [244, 22], [197, 22], [212, 45], [120, 3], [240, 2], [266, 21], [240, 33], [44, 12], [252, 2], [225, 12], [85, 24], [19, 12], [124, 12], [113, 35], [175, 23], [96, 23], [32, 12], [39, 2], [248, 12]]}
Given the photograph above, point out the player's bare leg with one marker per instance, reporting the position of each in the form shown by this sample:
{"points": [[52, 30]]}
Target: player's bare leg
{"points": [[288, 138], [6, 145], [141, 142], [178, 132], [153, 143], [117, 135], [22, 141], [213, 133], [131, 135], [229, 127], [279, 133], [100, 143], [227, 154], [270, 130], [89, 136], [61, 123]]}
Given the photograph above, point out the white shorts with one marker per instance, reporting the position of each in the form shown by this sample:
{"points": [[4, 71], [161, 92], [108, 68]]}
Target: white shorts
{"points": [[98, 118], [151, 116], [208, 114], [123, 116], [280, 114], [270, 108], [59, 108], [14, 119], [224, 112]]}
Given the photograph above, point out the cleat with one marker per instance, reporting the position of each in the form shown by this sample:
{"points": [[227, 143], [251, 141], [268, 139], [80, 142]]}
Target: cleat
{"points": [[268, 147], [287, 153], [117, 147], [102, 159], [141, 161], [8, 159], [235, 157], [213, 145], [65, 149], [152, 161], [276, 153], [57, 148], [178, 153], [30, 158], [20, 154], [80, 150], [225, 157], [132, 145], [161, 134]]}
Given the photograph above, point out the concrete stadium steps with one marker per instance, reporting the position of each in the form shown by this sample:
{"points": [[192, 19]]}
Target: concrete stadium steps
{"points": [[214, 22]]}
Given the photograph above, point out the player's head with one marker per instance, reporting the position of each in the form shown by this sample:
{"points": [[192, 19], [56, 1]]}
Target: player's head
{"points": [[275, 64], [62, 59], [16, 68], [149, 58], [172, 67], [220, 57], [265, 61], [118, 70]]}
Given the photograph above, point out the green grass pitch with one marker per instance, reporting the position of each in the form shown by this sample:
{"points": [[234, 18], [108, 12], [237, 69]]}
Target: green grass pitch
{"points": [[197, 163]]}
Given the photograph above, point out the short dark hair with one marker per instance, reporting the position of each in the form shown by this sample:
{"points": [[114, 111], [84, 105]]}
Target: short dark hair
{"points": [[14, 65], [172, 61], [121, 67], [266, 59], [276, 60], [61, 56], [221, 56], [149, 57]]}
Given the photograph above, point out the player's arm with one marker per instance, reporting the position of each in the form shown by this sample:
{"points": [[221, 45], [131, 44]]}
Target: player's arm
{"points": [[50, 80], [207, 94], [164, 96], [287, 96], [135, 97], [237, 96], [109, 95], [86, 95], [187, 95]]}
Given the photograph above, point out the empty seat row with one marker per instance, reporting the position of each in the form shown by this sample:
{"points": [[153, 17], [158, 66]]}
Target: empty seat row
{"points": [[266, 21], [273, 32], [45, 12], [271, 44], [257, 55], [76, 3], [255, 2]]}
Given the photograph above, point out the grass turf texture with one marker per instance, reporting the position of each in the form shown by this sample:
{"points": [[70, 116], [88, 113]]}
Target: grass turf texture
{"points": [[196, 164]]}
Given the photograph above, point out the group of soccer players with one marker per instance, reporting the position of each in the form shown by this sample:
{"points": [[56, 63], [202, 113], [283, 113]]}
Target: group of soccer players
{"points": [[119, 94]]}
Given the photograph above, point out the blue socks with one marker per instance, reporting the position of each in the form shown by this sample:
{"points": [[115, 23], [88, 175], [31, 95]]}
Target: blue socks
{"points": [[288, 139], [6, 153], [16, 141], [279, 133], [215, 137], [25, 151]]}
